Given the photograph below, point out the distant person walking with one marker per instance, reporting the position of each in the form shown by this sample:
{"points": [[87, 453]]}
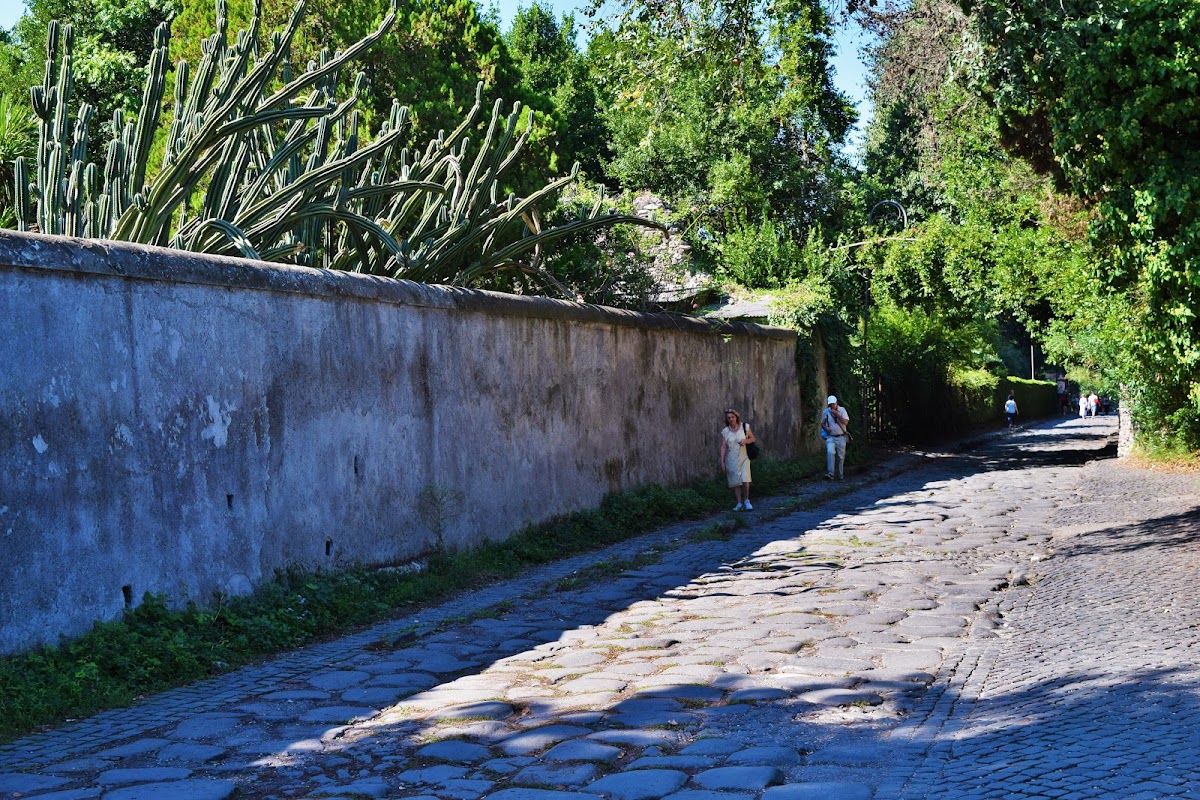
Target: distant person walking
{"points": [[734, 438], [834, 423], [1010, 409], [1082, 405], [1093, 405]]}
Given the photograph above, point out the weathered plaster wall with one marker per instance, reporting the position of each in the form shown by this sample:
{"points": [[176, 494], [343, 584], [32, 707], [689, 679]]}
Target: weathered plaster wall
{"points": [[187, 425]]}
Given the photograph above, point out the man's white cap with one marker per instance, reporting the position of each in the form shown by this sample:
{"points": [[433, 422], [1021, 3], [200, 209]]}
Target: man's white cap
{"points": [[831, 400]]}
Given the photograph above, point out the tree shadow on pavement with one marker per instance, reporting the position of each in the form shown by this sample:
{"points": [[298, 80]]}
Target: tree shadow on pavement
{"points": [[1088, 733], [1042, 448], [1161, 533]]}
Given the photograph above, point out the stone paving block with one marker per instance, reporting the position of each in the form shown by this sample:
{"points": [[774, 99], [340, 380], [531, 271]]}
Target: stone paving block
{"points": [[432, 775], [738, 778], [483, 710], [713, 747], [336, 680], [647, 704], [592, 685], [683, 691], [455, 751], [638, 643], [672, 762], [115, 777], [841, 697], [649, 784], [582, 750], [464, 788], [822, 665], [434, 701], [281, 746], [580, 659], [368, 787], [541, 794], [758, 694], [207, 726], [536, 739], [297, 694], [441, 663], [19, 783], [414, 681], [378, 696], [707, 794], [72, 794], [193, 789], [337, 715], [652, 719], [487, 731], [558, 775], [140, 746], [774, 756], [90, 764], [853, 753], [504, 766], [818, 791]]}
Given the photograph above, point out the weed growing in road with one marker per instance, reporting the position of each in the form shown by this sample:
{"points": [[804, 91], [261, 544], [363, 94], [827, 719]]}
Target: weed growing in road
{"points": [[721, 530], [607, 569]]}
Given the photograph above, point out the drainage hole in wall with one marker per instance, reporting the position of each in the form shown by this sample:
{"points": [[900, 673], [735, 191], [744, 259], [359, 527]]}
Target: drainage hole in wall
{"points": [[328, 546], [229, 502], [127, 593], [356, 466]]}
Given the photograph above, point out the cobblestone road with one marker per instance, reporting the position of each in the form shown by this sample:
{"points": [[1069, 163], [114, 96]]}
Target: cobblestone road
{"points": [[1016, 620]]}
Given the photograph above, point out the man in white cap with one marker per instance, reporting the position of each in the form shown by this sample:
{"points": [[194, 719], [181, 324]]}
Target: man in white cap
{"points": [[834, 421]]}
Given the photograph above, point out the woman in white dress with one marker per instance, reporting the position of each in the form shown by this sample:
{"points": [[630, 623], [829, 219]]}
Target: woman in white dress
{"points": [[734, 438]]}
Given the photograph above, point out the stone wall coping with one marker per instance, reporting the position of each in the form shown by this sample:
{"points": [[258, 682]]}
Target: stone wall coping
{"points": [[137, 262]]}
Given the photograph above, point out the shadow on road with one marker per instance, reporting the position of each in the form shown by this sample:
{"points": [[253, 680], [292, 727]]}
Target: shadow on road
{"points": [[541, 628]]}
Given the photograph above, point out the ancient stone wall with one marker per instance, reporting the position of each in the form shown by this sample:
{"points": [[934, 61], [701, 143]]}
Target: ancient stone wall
{"points": [[186, 425]]}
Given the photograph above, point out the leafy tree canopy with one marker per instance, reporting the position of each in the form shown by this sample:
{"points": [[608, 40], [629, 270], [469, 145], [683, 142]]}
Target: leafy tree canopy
{"points": [[727, 99], [1105, 96]]}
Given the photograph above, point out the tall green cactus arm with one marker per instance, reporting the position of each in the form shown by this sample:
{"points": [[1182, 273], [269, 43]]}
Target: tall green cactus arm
{"points": [[262, 162]]}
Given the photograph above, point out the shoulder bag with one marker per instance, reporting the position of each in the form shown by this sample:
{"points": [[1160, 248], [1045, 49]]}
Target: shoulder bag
{"points": [[752, 448]]}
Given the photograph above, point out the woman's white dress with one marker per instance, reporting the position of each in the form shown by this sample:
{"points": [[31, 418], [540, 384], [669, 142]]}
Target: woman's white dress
{"points": [[737, 463]]}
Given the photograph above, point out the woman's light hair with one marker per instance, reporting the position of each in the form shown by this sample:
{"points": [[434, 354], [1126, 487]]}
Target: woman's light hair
{"points": [[735, 413]]}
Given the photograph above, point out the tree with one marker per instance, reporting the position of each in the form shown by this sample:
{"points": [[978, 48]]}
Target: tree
{"points": [[113, 40], [1105, 96], [434, 56], [553, 68], [17, 140], [730, 101]]}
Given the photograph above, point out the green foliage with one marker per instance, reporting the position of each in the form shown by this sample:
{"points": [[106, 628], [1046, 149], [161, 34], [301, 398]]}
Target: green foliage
{"points": [[936, 376], [154, 648], [113, 39], [433, 57], [1105, 97], [17, 140], [260, 163], [725, 97], [762, 255], [1034, 398], [552, 67]]}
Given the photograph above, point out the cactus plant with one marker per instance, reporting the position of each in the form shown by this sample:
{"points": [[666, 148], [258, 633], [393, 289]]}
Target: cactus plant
{"points": [[265, 164]]}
